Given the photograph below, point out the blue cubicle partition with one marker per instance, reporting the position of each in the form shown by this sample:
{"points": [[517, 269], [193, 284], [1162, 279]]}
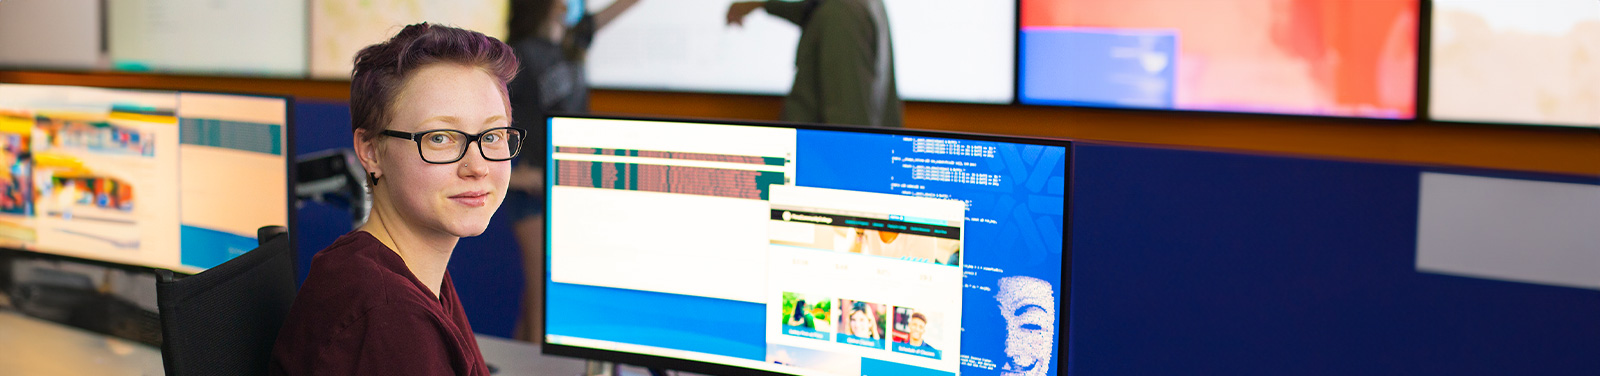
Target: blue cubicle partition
{"points": [[1188, 262], [486, 269]]}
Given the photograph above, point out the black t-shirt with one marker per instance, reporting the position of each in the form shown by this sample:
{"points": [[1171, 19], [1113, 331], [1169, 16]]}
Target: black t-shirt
{"points": [[550, 83]]}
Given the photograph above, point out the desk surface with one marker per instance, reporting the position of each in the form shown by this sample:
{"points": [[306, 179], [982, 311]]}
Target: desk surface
{"points": [[38, 347], [510, 357]]}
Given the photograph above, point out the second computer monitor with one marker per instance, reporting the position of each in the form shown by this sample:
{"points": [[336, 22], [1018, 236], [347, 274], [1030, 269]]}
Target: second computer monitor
{"points": [[809, 250], [174, 180]]}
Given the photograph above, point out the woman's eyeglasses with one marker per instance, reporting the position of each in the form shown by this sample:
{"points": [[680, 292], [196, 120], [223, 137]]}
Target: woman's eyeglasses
{"points": [[444, 146]]}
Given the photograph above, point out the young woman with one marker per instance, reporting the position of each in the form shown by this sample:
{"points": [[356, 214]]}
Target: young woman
{"points": [[433, 129], [862, 321], [801, 315]]}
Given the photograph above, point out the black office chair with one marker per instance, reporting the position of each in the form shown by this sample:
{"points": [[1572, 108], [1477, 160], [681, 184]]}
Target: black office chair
{"points": [[224, 321]]}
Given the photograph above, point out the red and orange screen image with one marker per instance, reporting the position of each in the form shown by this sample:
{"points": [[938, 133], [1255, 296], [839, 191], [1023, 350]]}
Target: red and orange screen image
{"points": [[1312, 57]]}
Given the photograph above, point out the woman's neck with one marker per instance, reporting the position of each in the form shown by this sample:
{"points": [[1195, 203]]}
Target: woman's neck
{"points": [[426, 254]]}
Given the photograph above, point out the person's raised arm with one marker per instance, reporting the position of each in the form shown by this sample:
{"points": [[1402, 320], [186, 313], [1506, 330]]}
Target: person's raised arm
{"points": [[794, 11], [741, 9], [612, 12]]}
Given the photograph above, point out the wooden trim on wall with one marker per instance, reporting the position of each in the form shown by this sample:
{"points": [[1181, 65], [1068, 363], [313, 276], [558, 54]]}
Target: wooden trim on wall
{"points": [[1562, 150]]}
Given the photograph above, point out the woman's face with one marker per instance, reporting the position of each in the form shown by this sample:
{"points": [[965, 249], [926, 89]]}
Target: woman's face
{"points": [[860, 323], [456, 198]]}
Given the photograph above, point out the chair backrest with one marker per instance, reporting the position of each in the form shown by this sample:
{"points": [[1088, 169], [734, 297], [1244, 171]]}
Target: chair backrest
{"points": [[225, 320]]}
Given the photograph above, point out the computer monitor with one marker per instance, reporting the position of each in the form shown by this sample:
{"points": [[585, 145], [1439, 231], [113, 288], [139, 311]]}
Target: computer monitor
{"points": [[173, 180], [1502, 61], [800, 249], [250, 38], [51, 34], [944, 50], [1314, 57]]}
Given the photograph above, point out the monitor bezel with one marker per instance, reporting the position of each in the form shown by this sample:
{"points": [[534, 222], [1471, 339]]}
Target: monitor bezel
{"points": [[1063, 316]]}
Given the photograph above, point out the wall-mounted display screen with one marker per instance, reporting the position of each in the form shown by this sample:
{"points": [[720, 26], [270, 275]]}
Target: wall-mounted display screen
{"points": [[945, 50], [341, 28], [152, 178], [1305, 57], [806, 251], [51, 34], [1505, 61], [232, 37]]}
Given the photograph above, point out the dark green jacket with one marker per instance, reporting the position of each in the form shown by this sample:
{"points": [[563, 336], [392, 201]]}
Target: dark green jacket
{"points": [[844, 64]]}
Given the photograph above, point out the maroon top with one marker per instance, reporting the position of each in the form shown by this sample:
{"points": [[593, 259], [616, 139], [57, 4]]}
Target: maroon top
{"points": [[362, 312]]}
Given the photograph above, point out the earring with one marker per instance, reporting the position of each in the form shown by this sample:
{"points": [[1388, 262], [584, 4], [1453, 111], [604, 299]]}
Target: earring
{"points": [[372, 178]]}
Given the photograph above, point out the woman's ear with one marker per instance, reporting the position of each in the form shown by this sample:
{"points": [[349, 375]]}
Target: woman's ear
{"points": [[367, 152]]}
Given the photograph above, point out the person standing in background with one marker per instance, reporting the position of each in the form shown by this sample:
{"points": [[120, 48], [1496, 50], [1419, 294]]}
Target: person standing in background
{"points": [[844, 64], [551, 81]]}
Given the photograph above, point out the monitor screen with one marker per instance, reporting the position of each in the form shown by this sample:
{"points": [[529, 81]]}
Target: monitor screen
{"points": [[50, 34], [944, 50], [236, 37], [1505, 61], [151, 178], [1312, 57], [805, 250], [340, 28]]}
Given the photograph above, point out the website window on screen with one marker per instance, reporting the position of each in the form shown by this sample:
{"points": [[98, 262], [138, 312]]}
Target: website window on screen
{"points": [[806, 251]]}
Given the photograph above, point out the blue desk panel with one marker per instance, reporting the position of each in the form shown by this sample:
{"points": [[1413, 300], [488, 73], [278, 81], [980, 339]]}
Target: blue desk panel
{"points": [[1208, 263]]}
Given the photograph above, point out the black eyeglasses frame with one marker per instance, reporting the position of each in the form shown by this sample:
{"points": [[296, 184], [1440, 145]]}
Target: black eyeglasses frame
{"points": [[416, 138]]}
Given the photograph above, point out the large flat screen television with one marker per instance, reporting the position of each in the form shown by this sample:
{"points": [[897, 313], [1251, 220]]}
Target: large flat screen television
{"points": [[1313, 57], [227, 37], [341, 28], [173, 180], [800, 249], [51, 35], [1502, 61], [944, 50]]}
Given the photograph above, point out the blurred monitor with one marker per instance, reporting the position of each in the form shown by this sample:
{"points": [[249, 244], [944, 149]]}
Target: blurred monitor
{"points": [[232, 37], [944, 50], [737, 248], [1505, 61], [51, 34], [341, 28], [151, 178], [1304, 57]]}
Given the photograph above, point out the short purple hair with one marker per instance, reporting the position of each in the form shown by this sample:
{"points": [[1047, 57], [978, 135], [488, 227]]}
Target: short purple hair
{"points": [[382, 69]]}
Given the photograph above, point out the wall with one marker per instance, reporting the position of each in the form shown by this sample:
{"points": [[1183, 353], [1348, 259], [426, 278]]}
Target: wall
{"points": [[1524, 148]]}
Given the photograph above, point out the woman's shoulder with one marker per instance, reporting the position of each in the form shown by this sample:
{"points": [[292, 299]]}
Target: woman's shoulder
{"points": [[355, 249], [358, 272], [352, 280], [351, 307]]}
